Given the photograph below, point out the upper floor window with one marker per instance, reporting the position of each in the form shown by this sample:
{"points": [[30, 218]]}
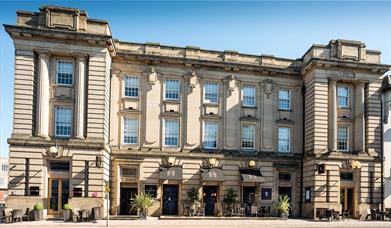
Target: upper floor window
{"points": [[63, 121], [284, 99], [211, 94], [131, 86], [130, 130], [342, 138], [210, 135], [171, 133], [4, 167], [343, 96], [64, 72], [284, 139], [249, 96], [172, 89], [248, 137]]}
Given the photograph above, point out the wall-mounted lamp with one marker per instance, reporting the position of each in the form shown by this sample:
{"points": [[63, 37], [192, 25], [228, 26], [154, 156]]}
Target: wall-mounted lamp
{"points": [[53, 150], [212, 161], [171, 160], [98, 161], [355, 164], [251, 164]]}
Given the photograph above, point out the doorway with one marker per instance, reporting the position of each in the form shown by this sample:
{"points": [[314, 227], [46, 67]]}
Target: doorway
{"points": [[249, 195], [346, 200], [58, 195], [210, 199], [170, 199], [127, 196]]}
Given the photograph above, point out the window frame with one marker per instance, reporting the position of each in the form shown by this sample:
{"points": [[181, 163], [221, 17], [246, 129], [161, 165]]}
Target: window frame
{"points": [[217, 92], [289, 139], [177, 134], [178, 89], [347, 137], [266, 190], [204, 134], [254, 96], [289, 98], [57, 71], [252, 126], [55, 121], [130, 130], [130, 77], [345, 97]]}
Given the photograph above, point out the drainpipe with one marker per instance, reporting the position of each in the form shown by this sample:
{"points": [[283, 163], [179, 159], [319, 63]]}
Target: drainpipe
{"points": [[382, 155], [303, 90]]}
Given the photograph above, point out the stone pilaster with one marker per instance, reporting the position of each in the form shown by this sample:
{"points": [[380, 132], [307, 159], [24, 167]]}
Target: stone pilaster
{"points": [[359, 119], [80, 96], [332, 132], [43, 94]]}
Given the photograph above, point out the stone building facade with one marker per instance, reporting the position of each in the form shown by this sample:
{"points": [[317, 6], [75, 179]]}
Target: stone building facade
{"points": [[90, 110]]}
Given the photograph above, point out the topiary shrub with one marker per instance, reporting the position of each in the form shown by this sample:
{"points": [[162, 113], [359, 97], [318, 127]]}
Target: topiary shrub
{"points": [[38, 206], [67, 207]]}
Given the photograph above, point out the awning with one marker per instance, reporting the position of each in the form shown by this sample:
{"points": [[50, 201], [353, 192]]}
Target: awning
{"points": [[212, 174], [171, 173], [252, 176]]}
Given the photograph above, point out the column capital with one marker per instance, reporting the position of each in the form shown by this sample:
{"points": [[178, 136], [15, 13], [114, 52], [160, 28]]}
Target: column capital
{"points": [[42, 53], [332, 81], [80, 56]]}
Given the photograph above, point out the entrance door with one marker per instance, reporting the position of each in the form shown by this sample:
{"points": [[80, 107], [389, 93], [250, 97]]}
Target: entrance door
{"points": [[249, 195], [346, 200], [58, 195], [210, 199], [170, 199], [127, 196]]}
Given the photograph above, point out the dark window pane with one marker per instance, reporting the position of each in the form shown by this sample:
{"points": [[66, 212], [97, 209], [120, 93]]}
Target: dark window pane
{"points": [[77, 192], [346, 176], [284, 176], [34, 191], [151, 190], [266, 193], [59, 166]]}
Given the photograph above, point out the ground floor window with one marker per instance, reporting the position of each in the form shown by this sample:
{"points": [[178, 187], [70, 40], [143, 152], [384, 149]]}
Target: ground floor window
{"points": [[151, 190], [266, 193]]}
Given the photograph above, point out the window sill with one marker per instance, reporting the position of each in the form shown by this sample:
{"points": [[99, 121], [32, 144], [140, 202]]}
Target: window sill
{"points": [[171, 101], [211, 104], [285, 110], [130, 98], [249, 107]]}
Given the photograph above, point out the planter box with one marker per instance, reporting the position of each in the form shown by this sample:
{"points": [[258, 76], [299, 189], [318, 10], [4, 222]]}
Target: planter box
{"points": [[38, 215], [66, 215]]}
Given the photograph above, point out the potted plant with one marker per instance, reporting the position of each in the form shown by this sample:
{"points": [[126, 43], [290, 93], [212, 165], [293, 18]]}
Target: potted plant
{"points": [[142, 202], [230, 198], [194, 198], [283, 206], [67, 209], [38, 212]]}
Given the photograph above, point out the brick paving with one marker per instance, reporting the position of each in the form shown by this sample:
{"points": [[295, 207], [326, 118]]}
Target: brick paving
{"points": [[201, 223]]}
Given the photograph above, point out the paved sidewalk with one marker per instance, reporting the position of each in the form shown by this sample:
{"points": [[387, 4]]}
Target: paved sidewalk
{"points": [[205, 224]]}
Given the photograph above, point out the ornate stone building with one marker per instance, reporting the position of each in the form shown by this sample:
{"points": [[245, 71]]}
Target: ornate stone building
{"points": [[90, 110]]}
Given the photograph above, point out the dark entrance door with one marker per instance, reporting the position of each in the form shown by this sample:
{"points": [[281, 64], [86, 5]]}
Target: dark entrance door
{"points": [[248, 195], [127, 196], [286, 191], [210, 199], [170, 199]]}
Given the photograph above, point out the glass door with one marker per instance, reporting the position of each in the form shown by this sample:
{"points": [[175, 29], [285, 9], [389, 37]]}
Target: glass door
{"points": [[58, 195]]}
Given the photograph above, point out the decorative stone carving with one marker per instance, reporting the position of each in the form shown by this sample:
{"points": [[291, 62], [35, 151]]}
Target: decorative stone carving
{"points": [[268, 87], [152, 76], [193, 80], [231, 83]]}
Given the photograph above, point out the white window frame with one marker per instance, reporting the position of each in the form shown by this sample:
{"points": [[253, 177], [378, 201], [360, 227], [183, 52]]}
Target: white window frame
{"points": [[289, 99], [177, 134], [128, 79], [205, 134], [217, 92], [132, 132], [347, 137], [253, 96], [56, 108], [345, 97], [252, 126], [289, 139], [178, 90], [72, 74]]}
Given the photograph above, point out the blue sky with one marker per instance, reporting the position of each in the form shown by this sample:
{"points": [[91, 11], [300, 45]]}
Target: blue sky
{"points": [[284, 29]]}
